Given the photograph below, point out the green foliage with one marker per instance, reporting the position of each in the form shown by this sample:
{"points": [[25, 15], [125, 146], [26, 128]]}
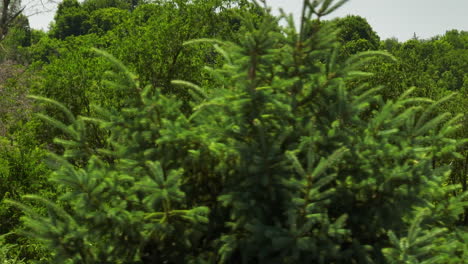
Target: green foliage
{"points": [[215, 135], [93, 5], [436, 67], [44, 50], [355, 28], [356, 35], [104, 20], [22, 171], [156, 199], [6, 253], [427, 245], [14, 43], [458, 39], [279, 159], [14, 107], [417, 246], [71, 74], [70, 20], [141, 42]]}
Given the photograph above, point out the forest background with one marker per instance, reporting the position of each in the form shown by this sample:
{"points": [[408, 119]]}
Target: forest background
{"points": [[398, 195]]}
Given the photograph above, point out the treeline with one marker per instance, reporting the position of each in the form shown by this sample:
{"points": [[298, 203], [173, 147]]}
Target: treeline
{"points": [[204, 131]]}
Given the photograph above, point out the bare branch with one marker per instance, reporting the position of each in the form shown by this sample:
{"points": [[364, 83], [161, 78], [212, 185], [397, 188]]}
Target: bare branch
{"points": [[12, 9]]}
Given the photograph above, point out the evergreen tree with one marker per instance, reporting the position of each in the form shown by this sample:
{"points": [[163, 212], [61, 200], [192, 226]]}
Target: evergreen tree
{"points": [[279, 164]]}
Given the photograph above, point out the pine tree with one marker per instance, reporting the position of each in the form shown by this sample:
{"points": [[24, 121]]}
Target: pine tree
{"points": [[282, 163]]}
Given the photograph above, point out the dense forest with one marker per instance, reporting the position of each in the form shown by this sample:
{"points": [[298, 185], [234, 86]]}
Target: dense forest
{"points": [[211, 131]]}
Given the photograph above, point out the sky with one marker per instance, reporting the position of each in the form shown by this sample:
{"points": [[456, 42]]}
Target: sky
{"points": [[389, 18]]}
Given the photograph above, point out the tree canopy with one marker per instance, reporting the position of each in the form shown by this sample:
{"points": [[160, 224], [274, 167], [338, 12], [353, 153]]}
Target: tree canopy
{"points": [[210, 131]]}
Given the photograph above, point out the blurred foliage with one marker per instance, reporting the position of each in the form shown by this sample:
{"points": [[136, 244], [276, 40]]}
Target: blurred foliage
{"points": [[175, 167]]}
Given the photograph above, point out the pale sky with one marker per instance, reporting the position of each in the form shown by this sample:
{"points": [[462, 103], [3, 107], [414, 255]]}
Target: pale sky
{"points": [[389, 18]]}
